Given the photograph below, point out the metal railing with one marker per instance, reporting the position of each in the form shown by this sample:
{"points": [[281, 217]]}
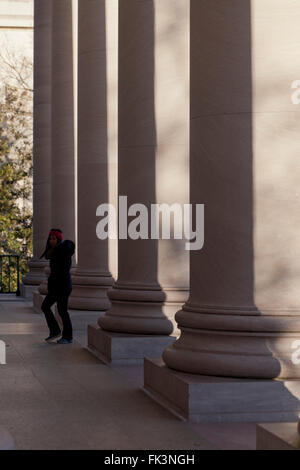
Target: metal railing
{"points": [[10, 274]]}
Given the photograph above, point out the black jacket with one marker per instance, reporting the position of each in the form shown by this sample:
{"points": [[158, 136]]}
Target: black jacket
{"points": [[60, 265]]}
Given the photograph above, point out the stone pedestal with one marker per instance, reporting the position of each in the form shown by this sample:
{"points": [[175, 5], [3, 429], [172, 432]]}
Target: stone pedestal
{"points": [[118, 348], [207, 399]]}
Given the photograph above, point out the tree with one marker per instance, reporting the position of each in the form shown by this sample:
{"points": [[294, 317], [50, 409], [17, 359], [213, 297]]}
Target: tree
{"points": [[16, 118]]}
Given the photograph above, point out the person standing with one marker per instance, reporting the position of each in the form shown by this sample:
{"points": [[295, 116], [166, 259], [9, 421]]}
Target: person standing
{"points": [[60, 254]]}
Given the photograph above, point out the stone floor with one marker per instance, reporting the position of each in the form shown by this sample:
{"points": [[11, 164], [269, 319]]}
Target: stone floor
{"points": [[61, 397]]}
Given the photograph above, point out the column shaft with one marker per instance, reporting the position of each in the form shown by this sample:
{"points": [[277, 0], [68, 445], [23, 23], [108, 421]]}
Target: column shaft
{"points": [[137, 298], [41, 138]]}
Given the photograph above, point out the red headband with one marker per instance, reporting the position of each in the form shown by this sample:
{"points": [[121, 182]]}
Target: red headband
{"points": [[56, 234]]}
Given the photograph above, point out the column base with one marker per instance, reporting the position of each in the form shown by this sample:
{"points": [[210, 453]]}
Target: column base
{"points": [[27, 291], [121, 348], [277, 436], [208, 399]]}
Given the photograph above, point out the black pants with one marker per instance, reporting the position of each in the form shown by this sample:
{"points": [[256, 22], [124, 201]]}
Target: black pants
{"points": [[61, 298]]}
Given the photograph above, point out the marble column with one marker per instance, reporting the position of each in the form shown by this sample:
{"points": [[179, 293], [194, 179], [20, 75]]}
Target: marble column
{"points": [[137, 297], [153, 161], [63, 122], [243, 315], [41, 142], [91, 278]]}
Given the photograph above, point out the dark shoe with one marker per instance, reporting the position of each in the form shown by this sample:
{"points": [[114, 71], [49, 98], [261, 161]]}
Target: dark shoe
{"points": [[51, 337], [64, 341]]}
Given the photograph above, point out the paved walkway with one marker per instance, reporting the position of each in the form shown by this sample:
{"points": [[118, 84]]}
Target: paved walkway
{"points": [[62, 397]]}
